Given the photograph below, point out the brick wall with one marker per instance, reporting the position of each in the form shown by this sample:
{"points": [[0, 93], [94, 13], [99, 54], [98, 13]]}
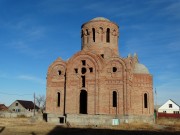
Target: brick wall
{"points": [[98, 70]]}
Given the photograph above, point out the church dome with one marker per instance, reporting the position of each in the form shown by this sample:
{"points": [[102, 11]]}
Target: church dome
{"points": [[141, 69], [100, 19]]}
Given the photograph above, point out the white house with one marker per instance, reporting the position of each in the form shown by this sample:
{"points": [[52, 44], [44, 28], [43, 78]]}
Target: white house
{"points": [[169, 107]]}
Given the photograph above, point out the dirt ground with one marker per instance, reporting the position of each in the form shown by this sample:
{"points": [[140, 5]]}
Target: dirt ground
{"points": [[29, 126]]}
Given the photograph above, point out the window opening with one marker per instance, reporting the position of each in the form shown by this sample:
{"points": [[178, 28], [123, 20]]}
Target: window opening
{"points": [[16, 104], [145, 101], [101, 32], [108, 35], [83, 62], [102, 55], [170, 105], [82, 33], [91, 70], [76, 70], [58, 99], [83, 81], [87, 35], [93, 34], [114, 99], [176, 112], [59, 72], [114, 69], [83, 70], [61, 120]]}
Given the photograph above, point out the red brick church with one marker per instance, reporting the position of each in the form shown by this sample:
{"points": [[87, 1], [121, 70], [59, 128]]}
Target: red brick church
{"points": [[96, 84]]}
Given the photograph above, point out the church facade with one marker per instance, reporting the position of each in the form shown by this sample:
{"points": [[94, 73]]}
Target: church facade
{"points": [[96, 84]]}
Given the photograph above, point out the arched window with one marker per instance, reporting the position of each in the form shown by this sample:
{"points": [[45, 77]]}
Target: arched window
{"points": [[114, 99], [108, 35], [58, 99], [93, 30], [87, 35], [101, 33], [59, 72], [82, 33], [145, 101]]}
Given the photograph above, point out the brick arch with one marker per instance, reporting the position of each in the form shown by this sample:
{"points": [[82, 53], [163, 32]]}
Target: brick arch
{"points": [[111, 111], [144, 109], [56, 63], [84, 30], [95, 59], [74, 81], [124, 79], [117, 60]]}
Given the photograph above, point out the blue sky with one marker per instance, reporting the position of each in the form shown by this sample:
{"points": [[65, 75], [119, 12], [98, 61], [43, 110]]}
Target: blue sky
{"points": [[34, 33]]}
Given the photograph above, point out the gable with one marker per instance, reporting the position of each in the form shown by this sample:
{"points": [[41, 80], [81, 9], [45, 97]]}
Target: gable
{"points": [[169, 105]]}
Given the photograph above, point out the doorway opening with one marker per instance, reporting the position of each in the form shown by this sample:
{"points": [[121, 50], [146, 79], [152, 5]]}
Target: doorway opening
{"points": [[83, 102]]}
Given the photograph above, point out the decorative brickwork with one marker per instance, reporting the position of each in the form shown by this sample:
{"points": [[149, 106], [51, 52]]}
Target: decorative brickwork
{"points": [[96, 80]]}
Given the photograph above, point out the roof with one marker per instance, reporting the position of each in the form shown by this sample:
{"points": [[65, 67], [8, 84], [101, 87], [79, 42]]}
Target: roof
{"points": [[174, 102], [100, 18], [141, 69], [3, 107], [27, 104], [162, 106]]}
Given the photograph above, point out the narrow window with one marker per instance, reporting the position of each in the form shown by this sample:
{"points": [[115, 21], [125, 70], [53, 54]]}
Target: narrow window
{"points": [[114, 99], [114, 69], [16, 104], [82, 33], [93, 34], [59, 72], [83, 62], [82, 36], [83, 81], [87, 36], [76, 70], [58, 99], [145, 101], [91, 70], [101, 32], [108, 35]]}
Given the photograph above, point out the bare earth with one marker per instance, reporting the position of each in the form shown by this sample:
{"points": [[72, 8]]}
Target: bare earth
{"points": [[28, 126]]}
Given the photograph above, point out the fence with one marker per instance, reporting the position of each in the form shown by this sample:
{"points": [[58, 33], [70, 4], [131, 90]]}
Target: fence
{"points": [[14, 115], [169, 115]]}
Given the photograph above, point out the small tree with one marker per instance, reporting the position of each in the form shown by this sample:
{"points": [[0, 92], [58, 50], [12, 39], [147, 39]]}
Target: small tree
{"points": [[41, 102]]}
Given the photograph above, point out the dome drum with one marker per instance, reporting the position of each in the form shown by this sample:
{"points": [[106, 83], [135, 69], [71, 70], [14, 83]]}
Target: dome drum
{"points": [[98, 34]]}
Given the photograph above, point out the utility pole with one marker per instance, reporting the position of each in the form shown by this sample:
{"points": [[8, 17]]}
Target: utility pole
{"points": [[34, 104]]}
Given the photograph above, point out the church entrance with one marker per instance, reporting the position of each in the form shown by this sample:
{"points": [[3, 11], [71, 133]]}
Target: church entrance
{"points": [[83, 102]]}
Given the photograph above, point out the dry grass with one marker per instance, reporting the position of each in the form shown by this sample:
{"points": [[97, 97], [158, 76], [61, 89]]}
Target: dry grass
{"points": [[170, 123], [28, 126], [24, 126]]}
